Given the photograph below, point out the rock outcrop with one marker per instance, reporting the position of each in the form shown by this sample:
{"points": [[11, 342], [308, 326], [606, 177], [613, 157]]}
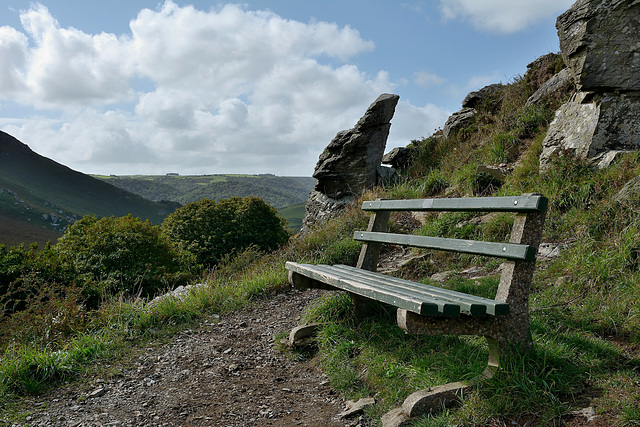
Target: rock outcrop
{"points": [[599, 43], [560, 82], [350, 163], [399, 157], [601, 47], [479, 96], [458, 121]]}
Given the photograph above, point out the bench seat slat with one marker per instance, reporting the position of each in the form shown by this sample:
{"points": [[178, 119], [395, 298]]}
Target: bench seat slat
{"points": [[533, 203], [469, 304], [412, 296], [395, 297], [509, 251], [444, 306]]}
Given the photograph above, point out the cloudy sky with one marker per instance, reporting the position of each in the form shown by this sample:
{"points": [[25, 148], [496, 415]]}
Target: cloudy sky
{"points": [[201, 87]]}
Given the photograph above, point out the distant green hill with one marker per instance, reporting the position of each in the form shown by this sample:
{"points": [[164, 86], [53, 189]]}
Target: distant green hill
{"points": [[287, 194], [294, 215], [39, 197], [278, 191]]}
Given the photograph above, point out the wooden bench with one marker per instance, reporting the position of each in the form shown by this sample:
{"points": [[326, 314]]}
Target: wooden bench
{"points": [[432, 310]]}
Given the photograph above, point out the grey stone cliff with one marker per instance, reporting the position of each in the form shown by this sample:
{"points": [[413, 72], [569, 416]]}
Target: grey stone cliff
{"points": [[600, 43], [599, 40]]}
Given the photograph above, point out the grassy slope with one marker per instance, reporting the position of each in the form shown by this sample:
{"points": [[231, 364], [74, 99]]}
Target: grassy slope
{"points": [[294, 215], [585, 321], [15, 231], [41, 186]]}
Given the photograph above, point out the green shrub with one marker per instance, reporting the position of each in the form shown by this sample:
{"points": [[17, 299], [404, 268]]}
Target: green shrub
{"points": [[120, 254], [427, 155], [26, 274], [434, 183], [210, 230]]}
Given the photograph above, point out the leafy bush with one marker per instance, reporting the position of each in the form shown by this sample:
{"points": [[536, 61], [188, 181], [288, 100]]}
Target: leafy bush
{"points": [[427, 155], [485, 184], [120, 254], [434, 183], [25, 273], [502, 147], [210, 230], [12, 263]]}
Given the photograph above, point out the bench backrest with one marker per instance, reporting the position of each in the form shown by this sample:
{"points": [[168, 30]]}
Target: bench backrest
{"points": [[519, 253], [376, 233]]}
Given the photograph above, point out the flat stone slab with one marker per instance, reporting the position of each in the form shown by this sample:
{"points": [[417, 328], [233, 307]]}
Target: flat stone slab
{"points": [[301, 336], [434, 399], [356, 408], [395, 418]]}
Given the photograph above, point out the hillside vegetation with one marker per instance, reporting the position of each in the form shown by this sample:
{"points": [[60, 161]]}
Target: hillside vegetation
{"points": [[287, 194], [584, 303], [278, 191], [38, 194]]}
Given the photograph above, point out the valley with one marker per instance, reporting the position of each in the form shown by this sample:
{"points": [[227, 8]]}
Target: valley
{"points": [[39, 197]]}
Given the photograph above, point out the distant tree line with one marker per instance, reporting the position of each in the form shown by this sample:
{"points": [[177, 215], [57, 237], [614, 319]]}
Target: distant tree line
{"points": [[277, 191]]}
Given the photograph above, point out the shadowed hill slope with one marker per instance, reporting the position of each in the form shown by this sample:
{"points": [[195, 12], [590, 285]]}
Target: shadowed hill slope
{"points": [[36, 191]]}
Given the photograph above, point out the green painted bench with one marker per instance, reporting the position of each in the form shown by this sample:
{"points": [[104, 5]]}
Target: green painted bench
{"points": [[432, 310]]}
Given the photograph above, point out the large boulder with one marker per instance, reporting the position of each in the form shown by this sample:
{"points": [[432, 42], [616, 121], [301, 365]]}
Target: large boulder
{"points": [[592, 126], [559, 83], [349, 165], [459, 121], [600, 45], [483, 95], [399, 157]]}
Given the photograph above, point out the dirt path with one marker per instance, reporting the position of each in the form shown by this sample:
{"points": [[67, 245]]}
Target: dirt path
{"points": [[224, 373]]}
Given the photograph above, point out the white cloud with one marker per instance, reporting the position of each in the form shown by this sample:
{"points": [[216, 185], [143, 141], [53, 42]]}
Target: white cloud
{"points": [[412, 122], [426, 79], [13, 46], [231, 88], [68, 67], [503, 16], [230, 91]]}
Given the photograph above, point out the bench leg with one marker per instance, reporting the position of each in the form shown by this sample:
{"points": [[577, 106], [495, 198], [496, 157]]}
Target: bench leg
{"points": [[299, 281], [495, 354]]}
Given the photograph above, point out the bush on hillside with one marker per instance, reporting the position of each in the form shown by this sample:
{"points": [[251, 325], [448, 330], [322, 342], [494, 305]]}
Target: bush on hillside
{"points": [[24, 272], [120, 254], [210, 230]]}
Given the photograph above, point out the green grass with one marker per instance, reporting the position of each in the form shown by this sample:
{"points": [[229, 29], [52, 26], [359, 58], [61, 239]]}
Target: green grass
{"points": [[294, 216]]}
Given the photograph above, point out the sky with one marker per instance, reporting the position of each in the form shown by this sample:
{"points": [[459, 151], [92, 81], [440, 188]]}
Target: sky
{"points": [[132, 87]]}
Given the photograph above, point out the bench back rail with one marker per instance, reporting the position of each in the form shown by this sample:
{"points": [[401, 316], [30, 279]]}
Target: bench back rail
{"points": [[517, 271]]}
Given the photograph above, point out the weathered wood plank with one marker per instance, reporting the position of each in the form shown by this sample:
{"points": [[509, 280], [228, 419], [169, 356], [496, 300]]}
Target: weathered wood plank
{"points": [[469, 304], [510, 251], [344, 277], [533, 203], [429, 306]]}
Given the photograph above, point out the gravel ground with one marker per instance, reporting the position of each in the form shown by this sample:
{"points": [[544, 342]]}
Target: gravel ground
{"points": [[226, 372]]}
